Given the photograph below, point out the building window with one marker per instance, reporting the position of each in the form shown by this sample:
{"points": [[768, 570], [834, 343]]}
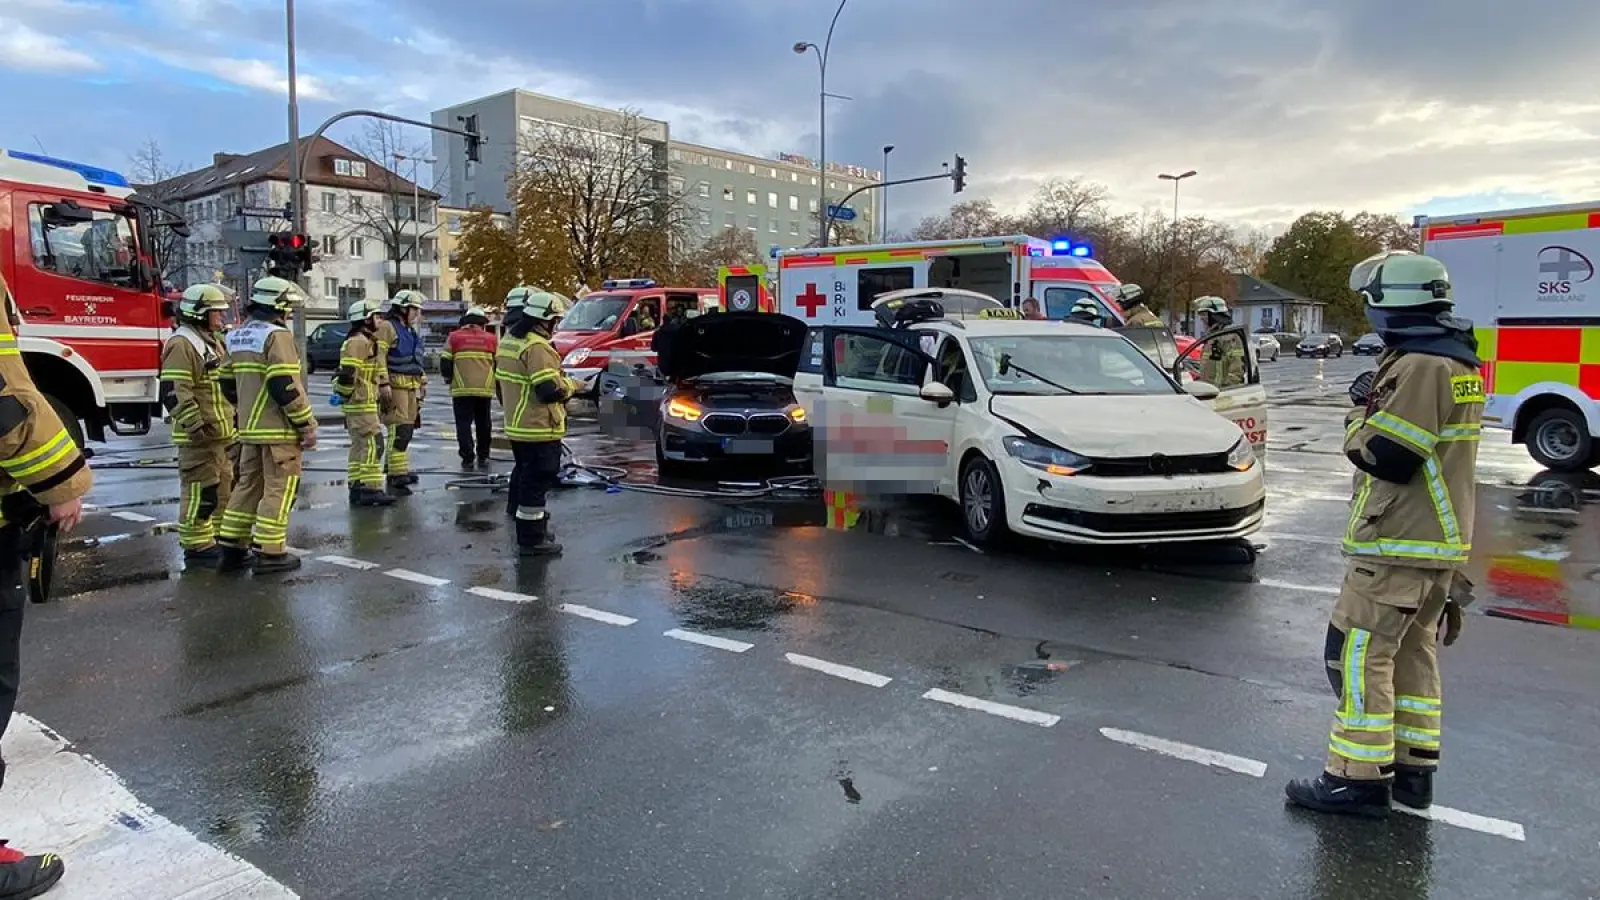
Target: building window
{"points": [[341, 167], [752, 222], [330, 287], [773, 173], [728, 220], [359, 286], [794, 176], [794, 228], [794, 203], [676, 184], [705, 217], [728, 163], [727, 193], [358, 247], [750, 197], [811, 205], [330, 202], [703, 188], [677, 156], [453, 224], [472, 199], [813, 181], [751, 167], [772, 226], [772, 200], [330, 245], [358, 168], [472, 170]]}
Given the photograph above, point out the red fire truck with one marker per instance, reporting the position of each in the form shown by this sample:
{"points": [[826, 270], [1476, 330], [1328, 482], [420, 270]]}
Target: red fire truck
{"points": [[76, 249]]}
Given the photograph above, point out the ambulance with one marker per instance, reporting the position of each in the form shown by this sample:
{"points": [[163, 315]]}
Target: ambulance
{"points": [[1527, 280]]}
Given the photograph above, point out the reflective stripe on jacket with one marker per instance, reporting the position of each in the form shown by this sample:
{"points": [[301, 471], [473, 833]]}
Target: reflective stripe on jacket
{"points": [[1432, 406], [358, 379], [470, 352], [521, 365], [37, 454], [192, 390], [263, 352]]}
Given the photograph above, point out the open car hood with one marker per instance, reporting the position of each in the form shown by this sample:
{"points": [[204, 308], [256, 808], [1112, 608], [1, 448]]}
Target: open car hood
{"points": [[732, 342]]}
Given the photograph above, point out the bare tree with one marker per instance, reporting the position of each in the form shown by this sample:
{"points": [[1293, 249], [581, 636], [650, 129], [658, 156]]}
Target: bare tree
{"points": [[395, 220], [1064, 206], [152, 172], [603, 186]]}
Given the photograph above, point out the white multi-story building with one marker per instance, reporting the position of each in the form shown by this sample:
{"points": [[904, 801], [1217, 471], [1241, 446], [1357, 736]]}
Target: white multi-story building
{"points": [[375, 231]]}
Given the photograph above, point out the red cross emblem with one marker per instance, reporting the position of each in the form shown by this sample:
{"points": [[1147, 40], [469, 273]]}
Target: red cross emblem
{"points": [[811, 300]]}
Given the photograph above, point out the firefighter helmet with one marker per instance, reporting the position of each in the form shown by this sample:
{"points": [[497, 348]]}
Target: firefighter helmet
{"points": [[408, 297], [200, 300], [1130, 294], [476, 315], [1085, 308], [278, 294], [361, 311], [536, 303], [1211, 304], [1396, 279]]}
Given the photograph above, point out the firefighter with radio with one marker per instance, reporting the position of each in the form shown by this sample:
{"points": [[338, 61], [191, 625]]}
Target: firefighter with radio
{"points": [[534, 394], [1414, 440], [1134, 310], [276, 426], [198, 391], [404, 367], [467, 366], [357, 384], [1223, 364], [43, 478]]}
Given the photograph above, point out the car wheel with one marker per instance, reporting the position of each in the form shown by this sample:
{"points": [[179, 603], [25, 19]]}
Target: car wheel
{"points": [[1558, 439], [311, 365], [668, 468], [983, 502]]}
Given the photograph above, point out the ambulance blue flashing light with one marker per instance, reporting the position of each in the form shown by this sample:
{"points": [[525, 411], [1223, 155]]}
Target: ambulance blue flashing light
{"points": [[91, 174], [1065, 247], [626, 284]]}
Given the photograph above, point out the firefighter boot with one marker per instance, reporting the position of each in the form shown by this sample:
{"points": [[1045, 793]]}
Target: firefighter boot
{"points": [[23, 877], [231, 558], [1341, 796], [411, 478], [207, 558], [275, 563], [361, 495], [1413, 786], [399, 486], [533, 535]]}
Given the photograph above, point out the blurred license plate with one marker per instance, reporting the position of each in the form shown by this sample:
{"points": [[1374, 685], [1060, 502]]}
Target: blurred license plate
{"points": [[746, 445]]}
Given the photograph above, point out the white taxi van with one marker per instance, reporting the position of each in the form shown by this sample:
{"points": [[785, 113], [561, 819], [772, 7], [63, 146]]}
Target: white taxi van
{"points": [[1050, 429]]}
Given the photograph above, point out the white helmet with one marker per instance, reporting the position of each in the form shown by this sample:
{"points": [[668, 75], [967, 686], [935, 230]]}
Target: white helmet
{"points": [[1085, 307], [202, 299], [1396, 279], [536, 303], [408, 297], [362, 310], [1130, 294], [1211, 304], [278, 294]]}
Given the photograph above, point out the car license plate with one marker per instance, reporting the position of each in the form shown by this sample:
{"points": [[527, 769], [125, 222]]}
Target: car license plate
{"points": [[746, 445]]}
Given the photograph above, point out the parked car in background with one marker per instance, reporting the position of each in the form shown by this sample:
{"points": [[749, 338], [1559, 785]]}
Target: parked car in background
{"points": [[323, 346], [1367, 345], [1321, 346], [1267, 348]]}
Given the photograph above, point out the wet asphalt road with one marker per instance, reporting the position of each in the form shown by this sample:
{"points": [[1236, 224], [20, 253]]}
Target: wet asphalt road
{"points": [[655, 714]]}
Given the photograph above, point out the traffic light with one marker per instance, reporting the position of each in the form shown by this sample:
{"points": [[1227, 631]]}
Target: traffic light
{"points": [[474, 139], [959, 175], [289, 254]]}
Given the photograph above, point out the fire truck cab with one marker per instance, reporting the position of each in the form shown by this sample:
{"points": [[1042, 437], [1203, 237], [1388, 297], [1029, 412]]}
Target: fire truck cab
{"points": [[76, 252], [618, 321]]}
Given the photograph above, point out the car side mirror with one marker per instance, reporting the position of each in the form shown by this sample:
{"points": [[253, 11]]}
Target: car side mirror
{"points": [[1201, 390], [937, 392]]}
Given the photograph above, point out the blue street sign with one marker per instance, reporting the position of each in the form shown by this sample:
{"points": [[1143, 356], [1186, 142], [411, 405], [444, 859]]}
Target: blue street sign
{"points": [[842, 213]]}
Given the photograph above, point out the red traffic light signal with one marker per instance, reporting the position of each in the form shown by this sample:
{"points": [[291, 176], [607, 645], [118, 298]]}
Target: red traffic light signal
{"points": [[290, 253]]}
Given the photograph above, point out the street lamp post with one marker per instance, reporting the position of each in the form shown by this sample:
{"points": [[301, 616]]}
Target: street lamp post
{"points": [[1177, 180], [883, 200], [297, 211], [416, 212], [801, 47]]}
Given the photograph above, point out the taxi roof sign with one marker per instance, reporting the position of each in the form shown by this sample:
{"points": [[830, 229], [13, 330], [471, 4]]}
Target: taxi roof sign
{"points": [[1000, 313]]}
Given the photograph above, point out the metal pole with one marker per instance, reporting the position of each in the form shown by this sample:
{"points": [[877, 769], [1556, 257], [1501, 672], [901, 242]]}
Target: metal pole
{"points": [[416, 222], [883, 200], [296, 201]]}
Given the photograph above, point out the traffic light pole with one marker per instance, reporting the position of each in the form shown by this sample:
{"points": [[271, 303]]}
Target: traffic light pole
{"points": [[827, 225]]}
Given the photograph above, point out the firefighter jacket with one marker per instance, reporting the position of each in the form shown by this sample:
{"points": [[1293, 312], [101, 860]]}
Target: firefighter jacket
{"points": [[533, 390], [386, 337], [404, 356], [359, 374], [273, 408], [198, 387], [1139, 316], [39, 462], [468, 362], [1423, 415]]}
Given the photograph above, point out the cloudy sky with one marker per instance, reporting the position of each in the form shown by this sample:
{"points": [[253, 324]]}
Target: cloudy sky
{"points": [[1282, 105]]}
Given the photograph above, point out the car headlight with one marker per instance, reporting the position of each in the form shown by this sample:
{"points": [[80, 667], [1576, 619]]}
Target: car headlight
{"points": [[577, 357], [1044, 457], [683, 410], [797, 414], [1242, 457]]}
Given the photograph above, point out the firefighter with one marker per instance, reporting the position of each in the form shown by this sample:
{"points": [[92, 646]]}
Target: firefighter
{"points": [[1134, 310], [406, 373], [358, 384], [534, 393], [1085, 311], [1415, 444], [467, 366], [43, 478], [1223, 365], [198, 391], [276, 426]]}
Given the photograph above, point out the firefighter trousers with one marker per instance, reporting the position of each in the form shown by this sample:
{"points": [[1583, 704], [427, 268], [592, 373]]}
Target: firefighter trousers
{"points": [[205, 483], [537, 471], [403, 416], [1382, 658], [13, 600], [258, 513], [472, 416], [364, 466]]}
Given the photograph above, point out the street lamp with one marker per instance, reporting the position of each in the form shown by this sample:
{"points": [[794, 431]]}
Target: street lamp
{"points": [[1176, 180], [883, 198], [416, 209], [800, 48]]}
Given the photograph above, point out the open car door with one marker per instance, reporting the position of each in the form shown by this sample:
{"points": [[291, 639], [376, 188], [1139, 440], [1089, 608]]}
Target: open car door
{"points": [[1224, 359]]}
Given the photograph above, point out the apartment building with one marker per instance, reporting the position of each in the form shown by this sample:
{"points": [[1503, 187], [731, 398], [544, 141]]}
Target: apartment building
{"points": [[376, 231]]}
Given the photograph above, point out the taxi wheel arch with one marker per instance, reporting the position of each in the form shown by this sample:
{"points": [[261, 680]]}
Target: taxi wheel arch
{"points": [[1556, 434], [980, 487]]}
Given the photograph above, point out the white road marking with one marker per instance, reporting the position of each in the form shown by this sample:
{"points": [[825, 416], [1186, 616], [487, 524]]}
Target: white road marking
{"points": [[599, 615], [90, 507], [416, 577], [507, 596], [1291, 586], [59, 799], [707, 640], [1462, 819], [359, 565], [132, 516], [848, 673], [298, 551], [1188, 752], [1299, 538], [1032, 717]]}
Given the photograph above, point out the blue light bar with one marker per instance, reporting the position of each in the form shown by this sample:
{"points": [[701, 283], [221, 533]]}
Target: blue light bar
{"points": [[91, 174], [1060, 246], [1081, 250]]}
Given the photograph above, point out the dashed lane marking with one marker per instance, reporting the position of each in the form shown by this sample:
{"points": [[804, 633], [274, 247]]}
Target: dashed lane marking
{"points": [[60, 799], [132, 516], [498, 594], [598, 615], [1005, 711], [1291, 586], [416, 577], [1187, 752], [1461, 819], [707, 640], [359, 565], [848, 673]]}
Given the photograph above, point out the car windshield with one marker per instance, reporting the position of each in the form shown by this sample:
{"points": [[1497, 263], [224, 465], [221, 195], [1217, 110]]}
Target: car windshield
{"points": [[1067, 364], [1370, 337], [1319, 337], [594, 314]]}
